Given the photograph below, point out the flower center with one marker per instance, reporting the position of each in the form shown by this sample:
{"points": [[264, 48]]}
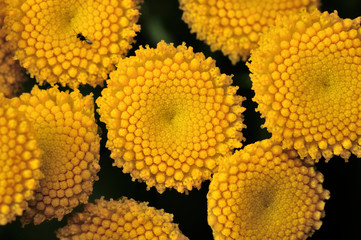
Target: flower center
{"points": [[265, 200], [53, 146], [323, 81], [263, 203], [169, 115]]}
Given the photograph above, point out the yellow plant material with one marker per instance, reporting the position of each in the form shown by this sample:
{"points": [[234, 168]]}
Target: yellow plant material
{"points": [[122, 219], [306, 77], [20, 162], [235, 26], [264, 192], [170, 115], [67, 133], [72, 42], [12, 75]]}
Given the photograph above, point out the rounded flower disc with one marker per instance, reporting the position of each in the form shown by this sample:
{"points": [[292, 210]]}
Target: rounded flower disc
{"points": [[170, 115], [122, 219], [264, 192], [234, 26], [12, 75], [72, 42], [306, 76], [67, 133], [20, 160]]}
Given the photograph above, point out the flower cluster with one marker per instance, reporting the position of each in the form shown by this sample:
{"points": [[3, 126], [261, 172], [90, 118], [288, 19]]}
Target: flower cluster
{"points": [[173, 119], [306, 78], [170, 115], [20, 161], [122, 219], [67, 133], [264, 192], [235, 26], [72, 42]]}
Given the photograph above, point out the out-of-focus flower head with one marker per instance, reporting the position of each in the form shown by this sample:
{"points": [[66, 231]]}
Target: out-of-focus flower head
{"points": [[20, 161], [234, 26], [264, 192], [11, 74], [67, 133], [306, 78], [122, 219], [72, 42], [170, 115]]}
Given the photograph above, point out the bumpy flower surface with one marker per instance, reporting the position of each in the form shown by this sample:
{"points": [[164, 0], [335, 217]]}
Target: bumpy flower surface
{"points": [[11, 74], [20, 161], [122, 219], [170, 115], [306, 78], [67, 133], [234, 26], [264, 192], [72, 42]]}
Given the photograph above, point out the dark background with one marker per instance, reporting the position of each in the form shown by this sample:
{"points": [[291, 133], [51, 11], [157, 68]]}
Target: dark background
{"points": [[161, 20]]}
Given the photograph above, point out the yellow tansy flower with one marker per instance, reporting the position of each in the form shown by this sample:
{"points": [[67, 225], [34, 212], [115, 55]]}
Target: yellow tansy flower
{"points": [[234, 26], [170, 115], [72, 42], [20, 160], [11, 74], [122, 219], [264, 192], [306, 78], [67, 133]]}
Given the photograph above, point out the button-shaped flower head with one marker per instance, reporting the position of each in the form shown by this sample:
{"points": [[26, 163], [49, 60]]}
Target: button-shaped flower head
{"points": [[67, 133], [234, 26], [20, 161], [306, 77], [122, 219], [12, 75], [170, 115], [72, 42], [264, 192]]}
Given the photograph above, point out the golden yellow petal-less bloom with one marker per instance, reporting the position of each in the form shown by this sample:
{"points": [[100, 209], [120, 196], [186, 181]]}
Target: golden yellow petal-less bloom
{"points": [[72, 42], [11, 74], [264, 192], [306, 76], [234, 26], [20, 161], [170, 115], [122, 219], [67, 133]]}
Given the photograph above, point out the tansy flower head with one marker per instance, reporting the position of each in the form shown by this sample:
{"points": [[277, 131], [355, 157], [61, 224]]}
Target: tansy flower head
{"points": [[122, 219], [67, 133], [234, 26], [20, 160], [306, 78], [72, 42], [11, 74], [264, 192], [170, 115]]}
